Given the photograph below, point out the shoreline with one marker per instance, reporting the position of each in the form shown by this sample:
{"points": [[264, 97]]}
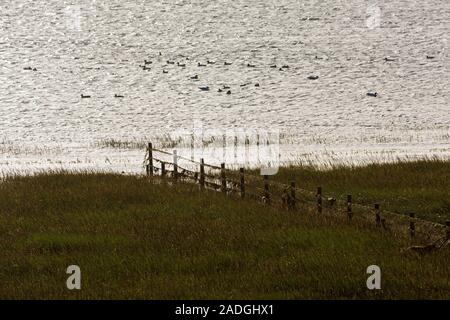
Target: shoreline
{"points": [[130, 160]]}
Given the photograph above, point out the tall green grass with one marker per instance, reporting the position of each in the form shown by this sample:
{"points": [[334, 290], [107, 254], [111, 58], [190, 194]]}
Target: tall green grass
{"points": [[134, 238]]}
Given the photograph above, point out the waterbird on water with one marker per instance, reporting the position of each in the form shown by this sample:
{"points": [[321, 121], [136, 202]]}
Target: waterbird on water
{"points": [[226, 87], [195, 77], [273, 66], [227, 63], [165, 71], [170, 62], [430, 57], [83, 96], [387, 59], [181, 64], [118, 96], [313, 77], [372, 94], [229, 92], [210, 62], [147, 62], [250, 65], [204, 88], [201, 65]]}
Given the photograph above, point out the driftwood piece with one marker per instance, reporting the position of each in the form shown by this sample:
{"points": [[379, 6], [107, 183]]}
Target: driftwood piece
{"points": [[439, 244]]}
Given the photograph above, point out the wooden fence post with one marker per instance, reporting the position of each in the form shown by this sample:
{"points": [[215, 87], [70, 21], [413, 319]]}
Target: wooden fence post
{"points": [[377, 215], [202, 173], [150, 160], [319, 199], [175, 165], [266, 198], [292, 202], [223, 178], [163, 169], [412, 226], [349, 207], [242, 182]]}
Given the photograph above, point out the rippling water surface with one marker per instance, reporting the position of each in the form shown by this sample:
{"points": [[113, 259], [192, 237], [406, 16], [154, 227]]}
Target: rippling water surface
{"points": [[95, 47]]}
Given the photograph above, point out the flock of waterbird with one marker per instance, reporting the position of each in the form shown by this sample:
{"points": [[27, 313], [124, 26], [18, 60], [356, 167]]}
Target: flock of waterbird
{"points": [[148, 64]]}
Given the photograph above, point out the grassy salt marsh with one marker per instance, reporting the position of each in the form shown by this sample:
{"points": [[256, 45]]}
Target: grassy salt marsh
{"points": [[136, 239]]}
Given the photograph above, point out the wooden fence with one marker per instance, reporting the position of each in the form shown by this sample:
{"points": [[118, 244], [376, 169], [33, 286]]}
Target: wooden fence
{"points": [[289, 196]]}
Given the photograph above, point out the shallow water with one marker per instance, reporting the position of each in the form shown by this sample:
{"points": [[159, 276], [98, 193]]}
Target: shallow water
{"points": [[95, 48]]}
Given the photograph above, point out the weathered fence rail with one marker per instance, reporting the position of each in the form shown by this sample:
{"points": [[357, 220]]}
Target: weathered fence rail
{"points": [[289, 196]]}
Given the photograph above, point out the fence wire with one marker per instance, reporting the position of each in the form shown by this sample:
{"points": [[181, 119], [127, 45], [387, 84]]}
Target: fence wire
{"points": [[291, 197]]}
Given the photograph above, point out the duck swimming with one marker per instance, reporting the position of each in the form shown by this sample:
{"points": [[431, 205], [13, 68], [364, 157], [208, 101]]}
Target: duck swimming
{"points": [[118, 96], [226, 87], [227, 63], [210, 62], [28, 68], [170, 62], [85, 96], [204, 88], [372, 94], [273, 66], [229, 92], [201, 65], [195, 77], [250, 65], [387, 59], [147, 62], [430, 57], [313, 77], [165, 71], [181, 64]]}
